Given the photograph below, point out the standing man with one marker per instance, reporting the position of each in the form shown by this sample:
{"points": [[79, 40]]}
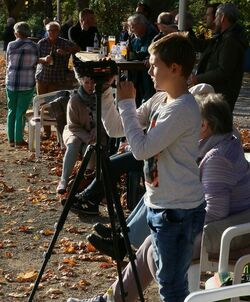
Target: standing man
{"points": [[221, 64], [83, 32], [8, 34], [210, 15], [54, 57]]}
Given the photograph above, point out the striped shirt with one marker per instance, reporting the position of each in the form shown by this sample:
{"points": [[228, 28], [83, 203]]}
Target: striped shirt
{"points": [[22, 57], [58, 71], [225, 176]]}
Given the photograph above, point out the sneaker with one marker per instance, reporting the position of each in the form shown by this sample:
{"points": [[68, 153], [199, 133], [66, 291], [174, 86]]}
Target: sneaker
{"points": [[105, 246], [102, 230], [95, 299], [61, 188], [81, 209]]}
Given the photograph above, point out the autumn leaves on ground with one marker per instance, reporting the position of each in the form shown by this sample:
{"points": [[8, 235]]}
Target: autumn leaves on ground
{"points": [[29, 209]]}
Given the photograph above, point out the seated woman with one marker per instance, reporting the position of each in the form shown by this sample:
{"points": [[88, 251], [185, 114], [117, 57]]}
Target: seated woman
{"points": [[225, 175], [80, 128]]}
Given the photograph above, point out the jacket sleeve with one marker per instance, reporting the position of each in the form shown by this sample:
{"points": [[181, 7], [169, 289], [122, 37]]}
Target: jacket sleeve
{"points": [[111, 117]]}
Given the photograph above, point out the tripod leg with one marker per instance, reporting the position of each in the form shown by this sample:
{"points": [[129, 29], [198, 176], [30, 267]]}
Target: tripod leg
{"points": [[63, 217], [112, 200]]}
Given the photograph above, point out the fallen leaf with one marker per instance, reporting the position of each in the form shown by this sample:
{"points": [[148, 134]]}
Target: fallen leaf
{"points": [[18, 295], [47, 232], [106, 265], [54, 291], [71, 261], [25, 228], [8, 254], [10, 278], [6, 188], [27, 277], [90, 247]]}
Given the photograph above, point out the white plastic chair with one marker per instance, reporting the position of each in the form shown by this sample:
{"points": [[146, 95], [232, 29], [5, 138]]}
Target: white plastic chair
{"points": [[39, 119], [224, 263], [220, 260]]}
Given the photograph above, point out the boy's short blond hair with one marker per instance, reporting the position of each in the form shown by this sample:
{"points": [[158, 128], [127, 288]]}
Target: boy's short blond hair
{"points": [[175, 48]]}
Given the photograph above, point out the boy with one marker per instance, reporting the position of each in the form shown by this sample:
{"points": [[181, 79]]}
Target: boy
{"points": [[174, 195]]}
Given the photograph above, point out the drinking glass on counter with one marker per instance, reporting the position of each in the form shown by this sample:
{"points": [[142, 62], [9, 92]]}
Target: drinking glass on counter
{"points": [[111, 42], [123, 47]]}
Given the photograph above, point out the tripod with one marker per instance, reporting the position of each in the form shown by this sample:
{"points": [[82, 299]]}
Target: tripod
{"points": [[102, 165]]}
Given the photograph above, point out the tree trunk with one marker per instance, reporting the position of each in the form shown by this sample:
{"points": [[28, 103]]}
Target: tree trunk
{"points": [[48, 9], [80, 4], [159, 6], [14, 7]]}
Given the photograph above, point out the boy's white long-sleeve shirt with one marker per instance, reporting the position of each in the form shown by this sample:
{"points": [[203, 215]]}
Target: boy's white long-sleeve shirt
{"points": [[169, 146]]}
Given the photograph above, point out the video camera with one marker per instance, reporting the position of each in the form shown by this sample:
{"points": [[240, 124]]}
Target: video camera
{"points": [[97, 70]]}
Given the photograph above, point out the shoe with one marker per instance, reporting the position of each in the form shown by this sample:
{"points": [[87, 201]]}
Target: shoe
{"points": [[21, 144], [61, 188], [102, 230], [105, 246], [12, 144], [95, 299], [81, 209]]}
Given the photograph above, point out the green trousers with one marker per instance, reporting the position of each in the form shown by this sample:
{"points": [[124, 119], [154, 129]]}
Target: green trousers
{"points": [[18, 102]]}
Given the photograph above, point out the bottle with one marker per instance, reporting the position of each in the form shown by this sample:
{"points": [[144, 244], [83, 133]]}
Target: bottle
{"points": [[52, 54], [104, 45], [110, 295], [96, 41]]}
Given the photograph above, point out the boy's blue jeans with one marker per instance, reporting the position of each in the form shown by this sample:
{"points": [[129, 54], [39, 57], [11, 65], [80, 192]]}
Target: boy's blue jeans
{"points": [[172, 233]]}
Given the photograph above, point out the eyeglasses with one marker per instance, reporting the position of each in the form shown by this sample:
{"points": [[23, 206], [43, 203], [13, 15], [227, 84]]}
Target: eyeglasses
{"points": [[52, 29]]}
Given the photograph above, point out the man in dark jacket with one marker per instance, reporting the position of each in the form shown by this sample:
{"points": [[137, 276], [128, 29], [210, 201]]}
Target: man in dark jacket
{"points": [[84, 31], [221, 64]]}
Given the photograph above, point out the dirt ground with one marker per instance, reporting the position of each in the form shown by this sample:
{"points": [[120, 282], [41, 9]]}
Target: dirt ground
{"points": [[29, 209]]}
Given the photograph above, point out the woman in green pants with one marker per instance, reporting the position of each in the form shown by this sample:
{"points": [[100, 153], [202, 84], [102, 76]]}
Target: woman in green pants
{"points": [[21, 59]]}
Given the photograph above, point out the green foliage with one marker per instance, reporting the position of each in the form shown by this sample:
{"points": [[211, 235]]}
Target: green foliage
{"points": [[111, 13], [69, 9], [36, 25]]}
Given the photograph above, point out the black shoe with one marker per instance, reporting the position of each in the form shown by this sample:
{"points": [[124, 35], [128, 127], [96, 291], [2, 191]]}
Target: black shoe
{"points": [[105, 246], [82, 208], [102, 230]]}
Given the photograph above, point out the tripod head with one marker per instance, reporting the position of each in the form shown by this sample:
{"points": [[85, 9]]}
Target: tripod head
{"points": [[97, 70]]}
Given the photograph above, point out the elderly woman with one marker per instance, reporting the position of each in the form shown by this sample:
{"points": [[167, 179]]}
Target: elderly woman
{"points": [[225, 176], [22, 57]]}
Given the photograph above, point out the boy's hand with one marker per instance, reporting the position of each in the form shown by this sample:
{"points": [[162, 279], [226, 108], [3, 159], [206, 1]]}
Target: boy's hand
{"points": [[125, 90]]}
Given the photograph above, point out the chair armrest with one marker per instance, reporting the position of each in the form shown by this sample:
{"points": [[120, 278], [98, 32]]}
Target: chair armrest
{"points": [[221, 293]]}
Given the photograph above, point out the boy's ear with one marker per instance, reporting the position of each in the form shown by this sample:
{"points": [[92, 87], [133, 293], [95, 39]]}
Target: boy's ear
{"points": [[176, 68]]}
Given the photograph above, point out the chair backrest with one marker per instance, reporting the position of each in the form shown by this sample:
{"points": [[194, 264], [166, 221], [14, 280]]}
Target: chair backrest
{"points": [[41, 99]]}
